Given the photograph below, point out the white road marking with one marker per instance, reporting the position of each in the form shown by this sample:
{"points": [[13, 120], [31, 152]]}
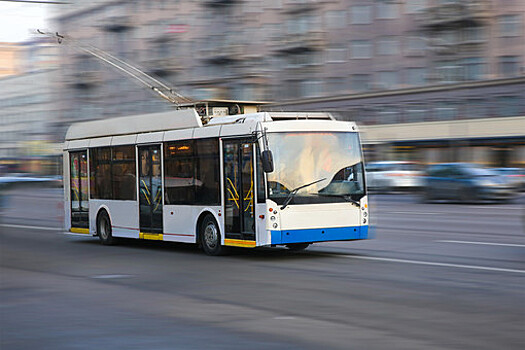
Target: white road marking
{"points": [[411, 212], [493, 207], [284, 318], [429, 263], [111, 276], [485, 243], [42, 228]]}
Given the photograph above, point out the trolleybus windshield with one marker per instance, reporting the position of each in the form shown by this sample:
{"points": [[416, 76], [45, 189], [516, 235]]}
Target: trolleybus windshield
{"points": [[305, 157]]}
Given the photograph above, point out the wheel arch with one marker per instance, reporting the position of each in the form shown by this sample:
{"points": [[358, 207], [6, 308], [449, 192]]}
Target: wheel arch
{"points": [[201, 217], [101, 209]]}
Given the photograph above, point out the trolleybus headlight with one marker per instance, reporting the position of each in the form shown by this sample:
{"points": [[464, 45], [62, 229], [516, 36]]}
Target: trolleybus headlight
{"points": [[365, 214], [275, 225], [364, 221], [272, 218]]}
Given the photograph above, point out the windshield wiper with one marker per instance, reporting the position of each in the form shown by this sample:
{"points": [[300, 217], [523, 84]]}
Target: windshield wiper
{"points": [[294, 192], [346, 197]]}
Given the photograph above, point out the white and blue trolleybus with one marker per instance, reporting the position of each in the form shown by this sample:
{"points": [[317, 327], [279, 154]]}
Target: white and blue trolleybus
{"points": [[255, 179]]}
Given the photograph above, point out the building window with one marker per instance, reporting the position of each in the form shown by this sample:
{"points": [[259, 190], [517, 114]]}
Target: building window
{"points": [[509, 66], [336, 86], [473, 68], [416, 76], [473, 34], [416, 46], [386, 9], [335, 19], [361, 49], [449, 71], [388, 46], [361, 14], [415, 114], [387, 115], [509, 25], [475, 108], [360, 82], [414, 6], [336, 55], [445, 110], [310, 88], [387, 79], [508, 106]]}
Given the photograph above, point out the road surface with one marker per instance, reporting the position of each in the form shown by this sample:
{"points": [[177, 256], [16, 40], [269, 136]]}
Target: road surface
{"points": [[436, 276]]}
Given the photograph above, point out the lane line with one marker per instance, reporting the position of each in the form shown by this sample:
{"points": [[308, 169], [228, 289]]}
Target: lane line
{"points": [[42, 228], [403, 261], [485, 243], [492, 208], [411, 212], [429, 263]]}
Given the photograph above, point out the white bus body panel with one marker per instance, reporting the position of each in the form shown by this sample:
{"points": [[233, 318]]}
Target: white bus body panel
{"points": [[123, 215]]}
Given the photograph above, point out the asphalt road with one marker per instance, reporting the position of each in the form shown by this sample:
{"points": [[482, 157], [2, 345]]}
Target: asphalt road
{"points": [[436, 276]]}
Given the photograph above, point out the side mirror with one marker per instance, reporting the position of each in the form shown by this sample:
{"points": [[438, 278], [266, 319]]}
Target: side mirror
{"points": [[267, 161]]}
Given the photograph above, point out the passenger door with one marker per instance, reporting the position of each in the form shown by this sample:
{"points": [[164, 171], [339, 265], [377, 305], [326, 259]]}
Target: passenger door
{"points": [[150, 189], [78, 185], [239, 214]]}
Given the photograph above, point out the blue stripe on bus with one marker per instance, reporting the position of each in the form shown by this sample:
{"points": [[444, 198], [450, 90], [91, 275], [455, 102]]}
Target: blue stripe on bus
{"points": [[319, 234]]}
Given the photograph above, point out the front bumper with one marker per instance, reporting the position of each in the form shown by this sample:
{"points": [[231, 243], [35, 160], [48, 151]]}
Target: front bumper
{"points": [[319, 235]]}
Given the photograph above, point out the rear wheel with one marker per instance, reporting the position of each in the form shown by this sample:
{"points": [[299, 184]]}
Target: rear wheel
{"points": [[104, 229], [295, 247], [467, 195], [210, 236]]}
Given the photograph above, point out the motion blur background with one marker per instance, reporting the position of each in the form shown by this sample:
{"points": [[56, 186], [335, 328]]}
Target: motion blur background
{"points": [[429, 81]]}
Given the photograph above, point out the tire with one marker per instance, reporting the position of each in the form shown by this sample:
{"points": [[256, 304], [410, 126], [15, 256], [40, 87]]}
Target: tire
{"points": [[104, 229], [466, 195], [426, 196], [296, 247], [210, 236]]}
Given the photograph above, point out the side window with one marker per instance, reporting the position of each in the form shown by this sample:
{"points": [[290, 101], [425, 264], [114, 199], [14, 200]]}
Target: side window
{"points": [[100, 172], [207, 172], [179, 172], [123, 173]]}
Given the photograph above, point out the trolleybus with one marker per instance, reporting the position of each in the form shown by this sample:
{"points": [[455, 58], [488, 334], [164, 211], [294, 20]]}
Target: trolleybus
{"points": [[247, 180]]}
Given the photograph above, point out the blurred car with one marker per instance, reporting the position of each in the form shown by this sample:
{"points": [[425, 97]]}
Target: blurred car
{"points": [[515, 176], [393, 175], [465, 182]]}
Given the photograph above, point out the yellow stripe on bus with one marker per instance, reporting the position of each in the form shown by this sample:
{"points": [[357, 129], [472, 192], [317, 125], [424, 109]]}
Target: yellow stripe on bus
{"points": [[152, 236], [239, 243], [79, 230]]}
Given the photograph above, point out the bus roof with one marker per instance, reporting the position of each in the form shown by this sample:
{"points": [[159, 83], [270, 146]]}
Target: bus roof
{"points": [[173, 120], [142, 123]]}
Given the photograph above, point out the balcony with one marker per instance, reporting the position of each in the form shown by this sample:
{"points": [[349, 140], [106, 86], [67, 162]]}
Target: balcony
{"points": [[219, 3], [117, 24], [163, 67], [300, 42], [222, 54], [455, 13], [299, 7], [85, 79]]}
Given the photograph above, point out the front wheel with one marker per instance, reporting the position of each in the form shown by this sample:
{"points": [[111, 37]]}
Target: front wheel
{"points": [[210, 236], [295, 247], [104, 229]]}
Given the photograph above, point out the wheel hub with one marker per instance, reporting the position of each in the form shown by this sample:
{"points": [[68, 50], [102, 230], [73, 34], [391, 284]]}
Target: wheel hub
{"points": [[210, 235]]}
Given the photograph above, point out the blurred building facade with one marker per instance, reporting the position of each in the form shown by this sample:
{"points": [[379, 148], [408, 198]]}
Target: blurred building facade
{"points": [[409, 55], [28, 113], [8, 59]]}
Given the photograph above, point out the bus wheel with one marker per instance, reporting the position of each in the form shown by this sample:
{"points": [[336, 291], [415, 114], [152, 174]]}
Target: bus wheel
{"points": [[295, 247], [104, 228], [210, 236]]}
